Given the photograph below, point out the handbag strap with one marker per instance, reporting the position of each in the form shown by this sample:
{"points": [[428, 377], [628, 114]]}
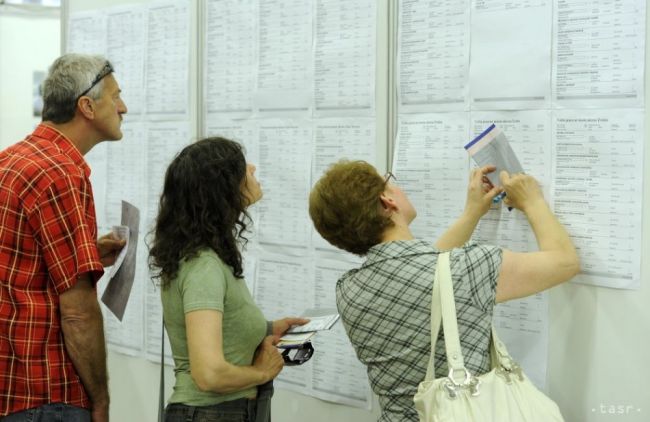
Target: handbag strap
{"points": [[503, 357], [443, 310], [436, 319], [449, 321]]}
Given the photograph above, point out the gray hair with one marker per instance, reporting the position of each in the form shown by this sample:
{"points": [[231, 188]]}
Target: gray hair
{"points": [[69, 76]]}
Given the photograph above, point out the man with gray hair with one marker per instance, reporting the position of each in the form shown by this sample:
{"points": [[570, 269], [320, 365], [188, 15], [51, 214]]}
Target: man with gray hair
{"points": [[52, 351]]}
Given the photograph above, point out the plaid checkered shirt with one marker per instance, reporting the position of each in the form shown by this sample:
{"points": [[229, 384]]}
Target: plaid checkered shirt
{"points": [[48, 238], [385, 306]]}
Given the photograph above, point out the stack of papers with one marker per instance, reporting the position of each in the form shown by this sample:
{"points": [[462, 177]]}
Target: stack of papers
{"points": [[294, 340], [301, 334], [319, 323]]}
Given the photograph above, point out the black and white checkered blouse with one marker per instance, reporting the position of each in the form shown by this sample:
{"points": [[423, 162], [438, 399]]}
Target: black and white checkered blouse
{"points": [[385, 308]]}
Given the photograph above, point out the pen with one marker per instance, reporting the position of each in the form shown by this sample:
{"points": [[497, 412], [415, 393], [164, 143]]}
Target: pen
{"points": [[498, 199]]}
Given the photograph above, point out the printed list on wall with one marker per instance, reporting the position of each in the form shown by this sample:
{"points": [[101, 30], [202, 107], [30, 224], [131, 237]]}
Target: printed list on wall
{"points": [[149, 47], [294, 83], [565, 84]]}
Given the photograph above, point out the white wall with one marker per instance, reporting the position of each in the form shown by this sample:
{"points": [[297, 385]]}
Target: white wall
{"points": [[29, 41]]}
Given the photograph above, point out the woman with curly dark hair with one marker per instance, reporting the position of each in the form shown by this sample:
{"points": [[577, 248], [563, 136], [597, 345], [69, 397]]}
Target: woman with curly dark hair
{"points": [[223, 348]]}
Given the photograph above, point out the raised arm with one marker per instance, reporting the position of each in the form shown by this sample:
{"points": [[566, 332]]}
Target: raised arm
{"points": [[524, 274], [210, 370], [479, 198], [83, 335]]}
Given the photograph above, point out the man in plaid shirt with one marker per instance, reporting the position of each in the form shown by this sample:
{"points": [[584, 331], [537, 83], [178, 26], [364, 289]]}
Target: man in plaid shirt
{"points": [[385, 305], [52, 352]]}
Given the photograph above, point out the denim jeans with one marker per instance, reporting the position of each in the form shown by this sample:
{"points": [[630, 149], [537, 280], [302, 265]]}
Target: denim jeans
{"points": [[240, 410], [54, 412]]}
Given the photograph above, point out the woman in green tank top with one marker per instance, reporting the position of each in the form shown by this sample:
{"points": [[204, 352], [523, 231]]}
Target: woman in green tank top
{"points": [[223, 347]]}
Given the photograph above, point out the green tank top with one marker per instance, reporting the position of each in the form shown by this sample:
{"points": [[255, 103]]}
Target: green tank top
{"points": [[206, 282]]}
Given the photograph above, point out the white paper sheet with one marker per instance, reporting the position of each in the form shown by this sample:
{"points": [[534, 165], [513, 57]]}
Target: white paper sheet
{"points": [[118, 289], [599, 50], [168, 60], [97, 160], [316, 323], [164, 141], [243, 132], [283, 289], [337, 374], [529, 134], [126, 51], [433, 56], [345, 56], [230, 59], [283, 286], [337, 138], [491, 148], [286, 286], [133, 168], [510, 54], [121, 232], [249, 262], [291, 341], [431, 166], [126, 174], [284, 174], [153, 326], [598, 174], [523, 326], [87, 33], [127, 336], [284, 55]]}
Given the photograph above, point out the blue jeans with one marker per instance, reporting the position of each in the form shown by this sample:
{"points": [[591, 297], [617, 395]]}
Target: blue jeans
{"points": [[240, 410], [54, 412]]}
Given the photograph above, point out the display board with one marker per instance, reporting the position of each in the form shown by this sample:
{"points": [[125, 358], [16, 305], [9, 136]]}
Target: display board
{"points": [[302, 83]]}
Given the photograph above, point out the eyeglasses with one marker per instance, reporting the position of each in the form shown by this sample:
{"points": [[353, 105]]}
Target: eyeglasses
{"points": [[298, 355], [106, 70], [389, 176]]}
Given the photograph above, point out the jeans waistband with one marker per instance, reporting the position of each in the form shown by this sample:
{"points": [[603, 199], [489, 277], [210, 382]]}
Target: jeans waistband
{"points": [[264, 391]]}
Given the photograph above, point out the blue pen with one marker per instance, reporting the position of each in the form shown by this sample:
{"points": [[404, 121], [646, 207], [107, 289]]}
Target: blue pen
{"points": [[498, 199]]}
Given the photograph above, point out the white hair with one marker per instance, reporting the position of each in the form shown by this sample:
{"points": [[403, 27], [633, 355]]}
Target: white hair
{"points": [[69, 76]]}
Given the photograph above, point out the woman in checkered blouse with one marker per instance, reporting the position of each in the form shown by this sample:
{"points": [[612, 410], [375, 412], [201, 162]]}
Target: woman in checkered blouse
{"points": [[385, 304]]}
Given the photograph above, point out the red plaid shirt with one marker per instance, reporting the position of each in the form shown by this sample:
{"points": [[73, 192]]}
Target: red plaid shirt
{"points": [[48, 238]]}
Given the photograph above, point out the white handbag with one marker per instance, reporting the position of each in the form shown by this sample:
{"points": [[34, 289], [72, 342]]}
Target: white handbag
{"points": [[504, 394]]}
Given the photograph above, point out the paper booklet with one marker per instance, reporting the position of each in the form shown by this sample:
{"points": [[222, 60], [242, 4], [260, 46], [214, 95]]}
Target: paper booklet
{"points": [[316, 323], [319, 320], [288, 341], [492, 148]]}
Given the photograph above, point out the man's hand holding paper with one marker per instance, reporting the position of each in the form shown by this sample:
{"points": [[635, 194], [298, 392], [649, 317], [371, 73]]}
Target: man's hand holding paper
{"points": [[109, 247]]}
